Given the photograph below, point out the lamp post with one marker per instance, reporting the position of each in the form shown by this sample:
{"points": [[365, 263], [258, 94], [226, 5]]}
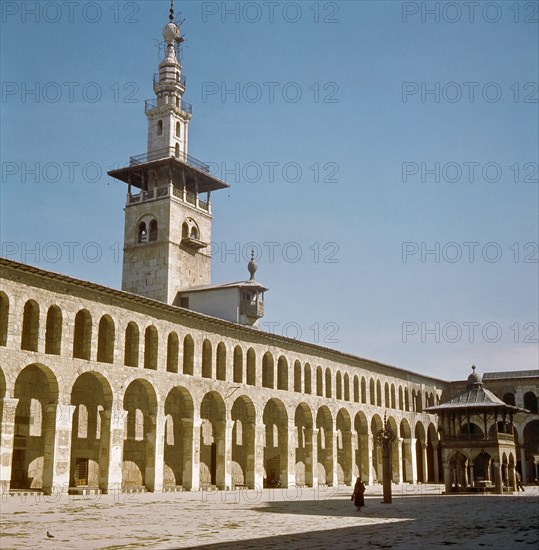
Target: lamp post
{"points": [[384, 437]]}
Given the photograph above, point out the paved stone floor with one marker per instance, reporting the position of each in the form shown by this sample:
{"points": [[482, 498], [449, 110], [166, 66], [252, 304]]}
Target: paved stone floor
{"points": [[419, 517]]}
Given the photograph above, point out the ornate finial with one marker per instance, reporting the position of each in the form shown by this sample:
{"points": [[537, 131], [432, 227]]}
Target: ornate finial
{"points": [[473, 368], [252, 266], [171, 16]]}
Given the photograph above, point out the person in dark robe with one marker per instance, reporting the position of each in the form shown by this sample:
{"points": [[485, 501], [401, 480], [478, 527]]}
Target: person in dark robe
{"points": [[358, 494]]}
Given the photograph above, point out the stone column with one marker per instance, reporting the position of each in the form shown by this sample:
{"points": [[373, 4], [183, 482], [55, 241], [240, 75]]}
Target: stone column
{"points": [[111, 449], [59, 423], [398, 444], [523, 465], [447, 476], [290, 467], [258, 451], [413, 459], [155, 452], [223, 443], [465, 475], [349, 456], [425, 462], [8, 407], [367, 441], [435, 469], [311, 479], [334, 458], [498, 477], [191, 453], [472, 474]]}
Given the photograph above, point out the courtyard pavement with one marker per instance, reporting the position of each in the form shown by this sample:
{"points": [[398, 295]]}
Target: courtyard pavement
{"points": [[419, 517]]}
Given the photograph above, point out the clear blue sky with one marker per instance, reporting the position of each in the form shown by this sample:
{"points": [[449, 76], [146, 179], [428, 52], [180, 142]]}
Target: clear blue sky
{"points": [[371, 101]]}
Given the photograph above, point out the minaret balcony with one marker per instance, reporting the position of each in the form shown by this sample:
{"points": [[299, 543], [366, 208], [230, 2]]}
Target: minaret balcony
{"points": [[151, 105], [252, 309], [157, 80], [168, 152], [169, 191]]}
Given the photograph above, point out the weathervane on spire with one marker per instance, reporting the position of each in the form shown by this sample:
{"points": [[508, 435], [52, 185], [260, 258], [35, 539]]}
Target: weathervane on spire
{"points": [[171, 16]]}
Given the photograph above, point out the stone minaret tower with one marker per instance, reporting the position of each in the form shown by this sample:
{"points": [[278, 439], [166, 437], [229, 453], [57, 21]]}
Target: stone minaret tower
{"points": [[167, 220]]}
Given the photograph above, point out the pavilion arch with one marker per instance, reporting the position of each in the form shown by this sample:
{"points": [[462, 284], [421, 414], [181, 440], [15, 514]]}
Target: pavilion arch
{"points": [[132, 344], [53, 331], [338, 385], [82, 335], [282, 373], [36, 388], [379, 393], [396, 463], [324, 424], [361, 431], [212, 441], [151, 347], [220, 361], [434, 454], [206, 359], [329, 384], [138, 465], [308, 379], [297, 376], [242, 467], [4, 318], [105, 340], [372, 392], [363, 390], [319, 381], [173, 350], [345, 447], [178, 437], [275, 420], [420, 450], [30, 326], [458, 469], [346, 395], [251, 367], [303, 422], [91, 397], [376, 426], [268, 369], [188, 359], [237, 368]]}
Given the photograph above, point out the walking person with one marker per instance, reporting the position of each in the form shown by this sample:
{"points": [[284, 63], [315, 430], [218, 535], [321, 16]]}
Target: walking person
{"points": [[520, 487], [358, 494]]}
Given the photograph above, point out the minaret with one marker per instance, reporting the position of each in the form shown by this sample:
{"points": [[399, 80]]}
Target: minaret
{"points": [[167, 220], [168, 115]]}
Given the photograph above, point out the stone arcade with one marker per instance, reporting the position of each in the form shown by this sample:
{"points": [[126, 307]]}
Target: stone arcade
{"points": [[169, 384]]}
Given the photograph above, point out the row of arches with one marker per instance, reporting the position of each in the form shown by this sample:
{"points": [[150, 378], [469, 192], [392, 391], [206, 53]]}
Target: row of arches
{"points": [[142, 348], [141, 438]]}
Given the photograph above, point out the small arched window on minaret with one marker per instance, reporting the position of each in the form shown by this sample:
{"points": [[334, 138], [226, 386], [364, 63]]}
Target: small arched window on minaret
{"points": [[142, 235], [159, 127], [153, 230], [178, 76], [177, 150], [178, 129], [194, 233], [178, 103]]}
